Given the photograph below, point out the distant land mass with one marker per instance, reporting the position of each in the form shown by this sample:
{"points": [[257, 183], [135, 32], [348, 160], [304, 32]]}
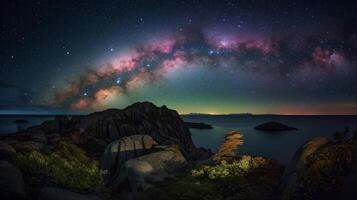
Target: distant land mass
{"points": [[218, 114]]}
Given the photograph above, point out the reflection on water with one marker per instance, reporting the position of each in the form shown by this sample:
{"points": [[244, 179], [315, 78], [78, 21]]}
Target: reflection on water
{"points": [[278, 145]]}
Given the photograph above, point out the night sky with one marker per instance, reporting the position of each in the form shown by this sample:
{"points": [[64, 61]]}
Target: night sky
{"points": [[282, 57]]}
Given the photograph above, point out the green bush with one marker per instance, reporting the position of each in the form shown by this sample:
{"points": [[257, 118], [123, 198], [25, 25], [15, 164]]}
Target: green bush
{"points": [[244, 178], [67, 167]]}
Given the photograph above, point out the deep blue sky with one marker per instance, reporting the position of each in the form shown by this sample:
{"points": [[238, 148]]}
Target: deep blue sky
{"points": [[288, 57]]}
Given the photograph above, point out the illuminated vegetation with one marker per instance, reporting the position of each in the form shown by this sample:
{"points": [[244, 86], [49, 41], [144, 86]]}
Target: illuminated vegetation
{"points": [[66, 166], [241, 178]]}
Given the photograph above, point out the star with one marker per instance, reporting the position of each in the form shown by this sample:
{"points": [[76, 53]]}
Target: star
{"points": [[111, 49], [118, 81], [67, 52]]}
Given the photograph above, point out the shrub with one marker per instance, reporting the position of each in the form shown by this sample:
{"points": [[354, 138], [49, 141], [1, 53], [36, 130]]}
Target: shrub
{"points": [[67, 167], [242, 178]]}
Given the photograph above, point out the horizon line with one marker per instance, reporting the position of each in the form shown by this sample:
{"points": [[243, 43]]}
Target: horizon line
{"points": [[192, 114]]}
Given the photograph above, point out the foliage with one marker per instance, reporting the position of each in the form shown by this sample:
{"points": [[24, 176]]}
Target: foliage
{"points": [[67, 166], [244, 178]]}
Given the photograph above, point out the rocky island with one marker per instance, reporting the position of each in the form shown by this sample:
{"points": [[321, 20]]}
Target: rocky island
{"points": [[146, 152], [274, 126], [198, 125]]}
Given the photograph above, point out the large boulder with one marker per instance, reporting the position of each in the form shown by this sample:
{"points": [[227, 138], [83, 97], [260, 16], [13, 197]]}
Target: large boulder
{"points": [[11, 182], [119, 151], [290, 179], [144, 171], [7, 152], [52, 193], [164, 125]]}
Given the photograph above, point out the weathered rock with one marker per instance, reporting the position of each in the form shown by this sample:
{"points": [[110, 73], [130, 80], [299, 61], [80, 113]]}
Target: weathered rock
{"points": [[274, 126], [7, 152], [144, 171], [52, 193], [118, 152], [290, 178], [11, 182]]}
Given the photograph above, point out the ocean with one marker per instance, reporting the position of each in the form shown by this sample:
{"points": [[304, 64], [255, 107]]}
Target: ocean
{"points": [[280, 146]]}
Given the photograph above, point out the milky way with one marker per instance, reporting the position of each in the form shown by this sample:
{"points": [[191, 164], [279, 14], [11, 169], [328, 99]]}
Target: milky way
{"points": [[151, 60], [283, 57]]}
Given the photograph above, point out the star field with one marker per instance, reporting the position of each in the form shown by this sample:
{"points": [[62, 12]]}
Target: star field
{"points": [[291, 57]]}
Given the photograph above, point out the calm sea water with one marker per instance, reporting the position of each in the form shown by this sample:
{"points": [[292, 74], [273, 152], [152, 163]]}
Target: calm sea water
{"points": [[277, 145], [7, 124]]}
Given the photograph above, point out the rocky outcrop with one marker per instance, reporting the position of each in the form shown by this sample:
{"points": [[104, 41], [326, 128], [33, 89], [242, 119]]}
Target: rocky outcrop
{"points": [[164, 125], [274, 126], [290, 179], [95, 131], [11, 182], [119, 151], [52, 193], [142, 172], [198, 125]]}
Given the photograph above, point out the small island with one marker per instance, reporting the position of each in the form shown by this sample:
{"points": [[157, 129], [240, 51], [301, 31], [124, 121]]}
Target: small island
{"points": [[274, 126], [198, 125]]}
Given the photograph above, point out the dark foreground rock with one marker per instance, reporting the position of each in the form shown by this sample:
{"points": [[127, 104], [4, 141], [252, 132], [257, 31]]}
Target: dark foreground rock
{"points": [[198, 125], [320, 170], [274, 126], [11, 182], [52, 193], [7, 152], [290, 179]]}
